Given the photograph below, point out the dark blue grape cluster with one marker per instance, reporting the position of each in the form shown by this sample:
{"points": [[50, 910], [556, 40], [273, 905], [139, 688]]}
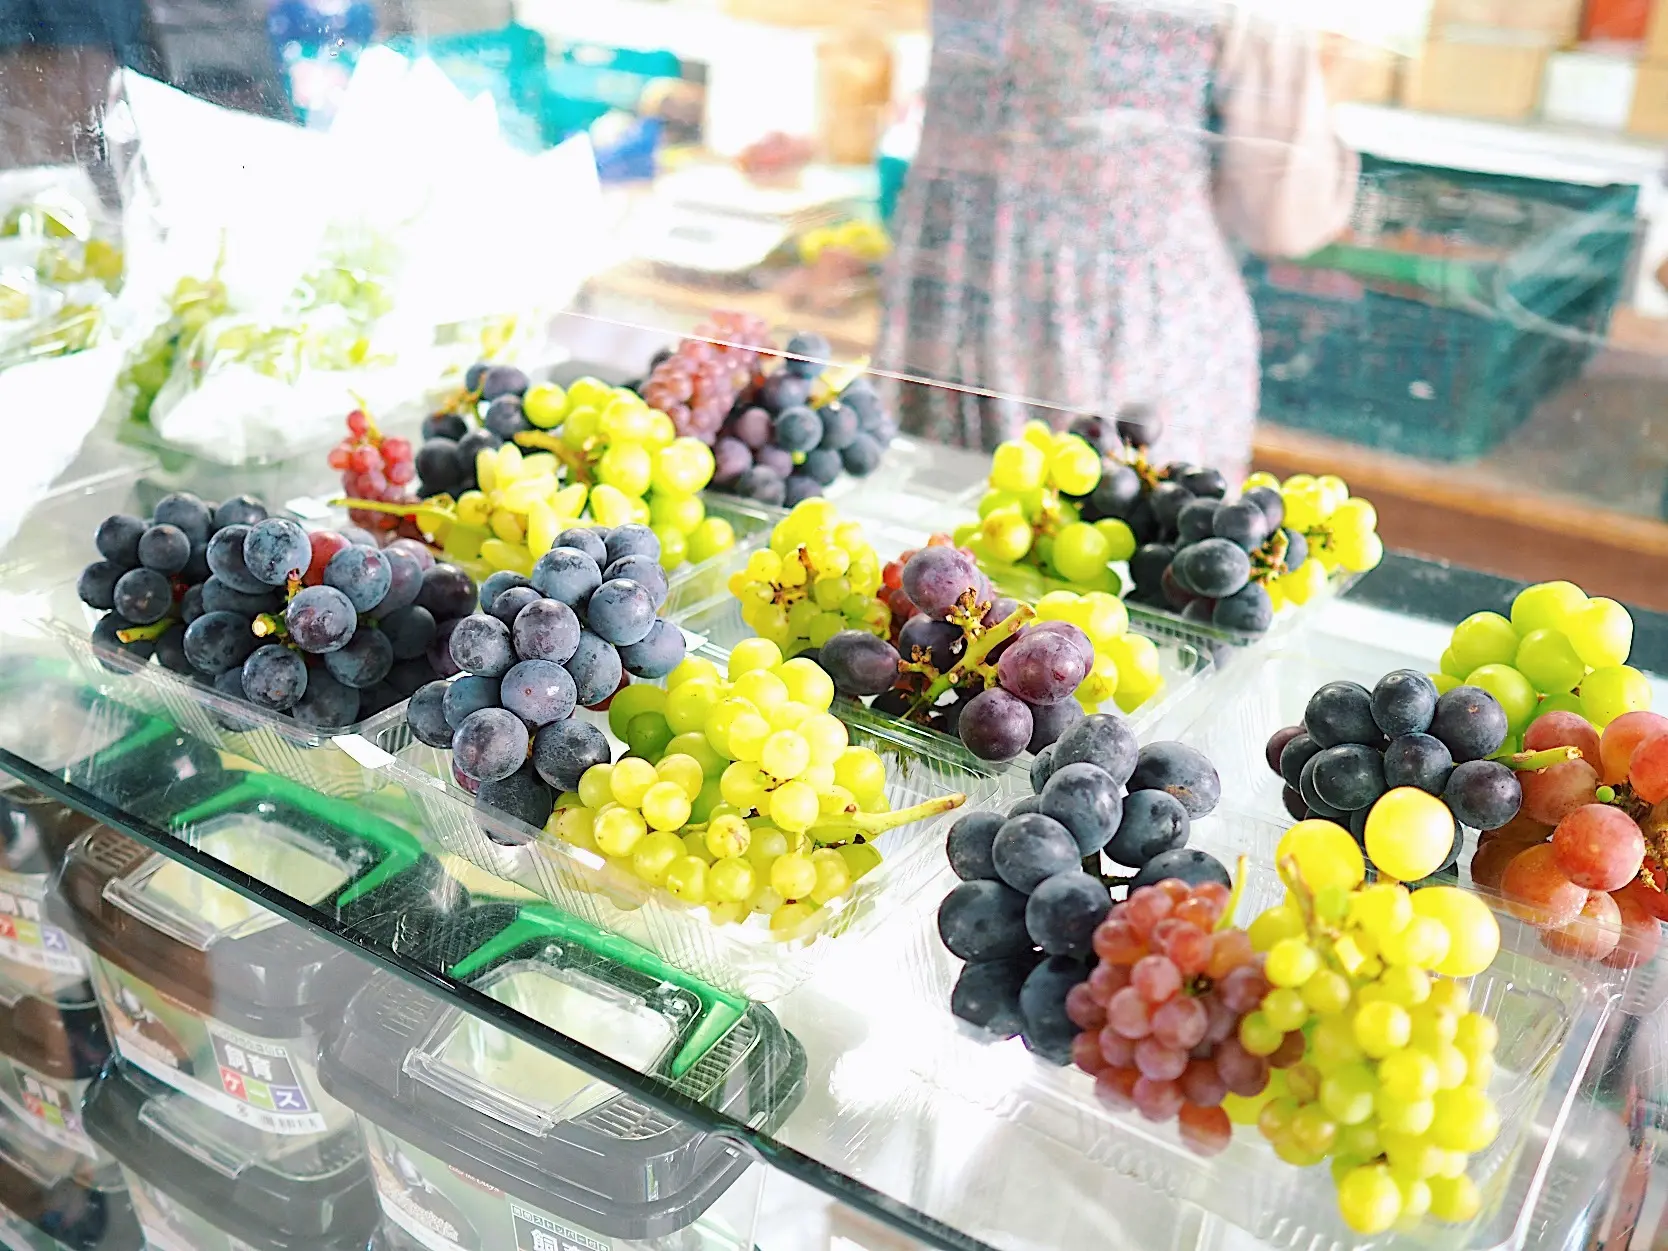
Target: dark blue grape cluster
{"points": [[538, 649], [1033, 890], [485, 415], [777, 448], [327, 627]]}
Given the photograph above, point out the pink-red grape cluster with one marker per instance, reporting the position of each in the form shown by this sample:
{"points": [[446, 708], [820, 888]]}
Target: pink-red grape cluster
{"points": [[374, 466], [698, 384], [1577, 863], [1160, 1013]]}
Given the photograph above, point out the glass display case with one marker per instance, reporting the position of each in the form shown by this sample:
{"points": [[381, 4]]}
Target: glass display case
{"points": [[657, 624]]}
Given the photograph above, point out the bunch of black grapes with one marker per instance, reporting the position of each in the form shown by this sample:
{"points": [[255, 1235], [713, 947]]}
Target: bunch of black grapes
{"points": [[1196, 552], [1034, 882], [1355, 745], [776, 449], [486, 415], [564, 638], [327, 627]]}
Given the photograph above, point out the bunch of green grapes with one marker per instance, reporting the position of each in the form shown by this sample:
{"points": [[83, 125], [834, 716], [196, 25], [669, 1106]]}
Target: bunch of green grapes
{"points": [[1367, 983], [742, 792], [633, 459], [1032, 513], [1558, 652], [191, 306], [819, 576], [593, 454]]}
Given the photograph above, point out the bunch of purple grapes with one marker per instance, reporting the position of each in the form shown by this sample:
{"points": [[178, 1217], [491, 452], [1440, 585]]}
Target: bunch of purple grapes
{"points": [[1018, 696], [543, 646], [327, 627], [1034, 886], [776, 449]]}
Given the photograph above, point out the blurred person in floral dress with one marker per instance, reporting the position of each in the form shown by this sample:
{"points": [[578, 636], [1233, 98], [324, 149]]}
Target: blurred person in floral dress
{"points": [[1064, 232]]}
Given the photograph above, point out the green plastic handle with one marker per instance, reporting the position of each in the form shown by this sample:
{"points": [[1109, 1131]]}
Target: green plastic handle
{"points": [[720, 1011], [399, 849]]}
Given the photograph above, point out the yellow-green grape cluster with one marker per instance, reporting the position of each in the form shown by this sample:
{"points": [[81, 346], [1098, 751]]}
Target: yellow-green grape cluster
{"points": [[611, 465], [1026, 516], [1341, 532], [818, 576], [192, 305], [1126, 665], [1393, 1081], [742, 794], [635, 462], [1558, 652]]}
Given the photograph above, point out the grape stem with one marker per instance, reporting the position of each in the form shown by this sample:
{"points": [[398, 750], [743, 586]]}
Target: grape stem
{"points": [[1268, 562], [977, 649], [135, 634], [848, 826], [575, 459], [1534, 761], [268, 625], [1226, 920]]}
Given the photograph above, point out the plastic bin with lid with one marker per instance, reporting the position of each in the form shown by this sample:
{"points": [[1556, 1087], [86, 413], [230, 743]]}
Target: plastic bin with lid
{"points": [[201, 1182], [212, 994], [49, 1051], [478, 1140]]}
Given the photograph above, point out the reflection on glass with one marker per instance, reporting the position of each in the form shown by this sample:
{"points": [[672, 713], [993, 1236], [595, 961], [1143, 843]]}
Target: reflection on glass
{"points": [[254, 848]]}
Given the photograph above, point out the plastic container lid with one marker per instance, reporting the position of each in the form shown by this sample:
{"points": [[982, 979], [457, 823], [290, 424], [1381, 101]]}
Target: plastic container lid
{"points": [[522, 1121], [62, 1194], [261, 976], [224, 956], [139, 771], [226, 1173]]}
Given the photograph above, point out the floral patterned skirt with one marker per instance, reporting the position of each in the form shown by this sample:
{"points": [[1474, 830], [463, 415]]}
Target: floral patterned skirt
{"points": [[1050, 301]]}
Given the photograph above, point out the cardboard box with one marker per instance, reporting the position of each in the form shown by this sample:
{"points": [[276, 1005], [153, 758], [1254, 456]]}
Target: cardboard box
{"points": [[1358, 72], [1649, 115], [1549, 22], [1498, 81], [1589, 89], [882, 15], [1656, 32]]}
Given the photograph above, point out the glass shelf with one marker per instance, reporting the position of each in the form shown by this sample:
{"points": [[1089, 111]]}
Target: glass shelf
{"points": [[853, 1100]]}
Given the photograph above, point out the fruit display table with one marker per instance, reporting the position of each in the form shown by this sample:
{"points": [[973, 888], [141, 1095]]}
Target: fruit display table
{"points": [[442, 993]]}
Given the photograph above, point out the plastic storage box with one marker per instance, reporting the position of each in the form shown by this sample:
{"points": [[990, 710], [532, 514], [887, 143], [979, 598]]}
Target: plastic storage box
{"points": [[478, 1140], [206, 992], [1460, 301], [203, 1183]]}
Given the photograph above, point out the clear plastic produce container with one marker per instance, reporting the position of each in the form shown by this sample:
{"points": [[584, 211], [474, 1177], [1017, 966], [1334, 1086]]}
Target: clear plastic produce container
{"points": [[715, 619], [478, 1140], [201, 1183], [746, 958], [56, 544], [1551, 1013], [49, 1051]]}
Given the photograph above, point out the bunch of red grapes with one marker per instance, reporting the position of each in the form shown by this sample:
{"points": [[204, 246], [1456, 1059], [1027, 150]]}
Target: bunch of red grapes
{"points": [[698, 384], [374, 467], [1160, 1013], [891, 591], [1581, 861]]}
